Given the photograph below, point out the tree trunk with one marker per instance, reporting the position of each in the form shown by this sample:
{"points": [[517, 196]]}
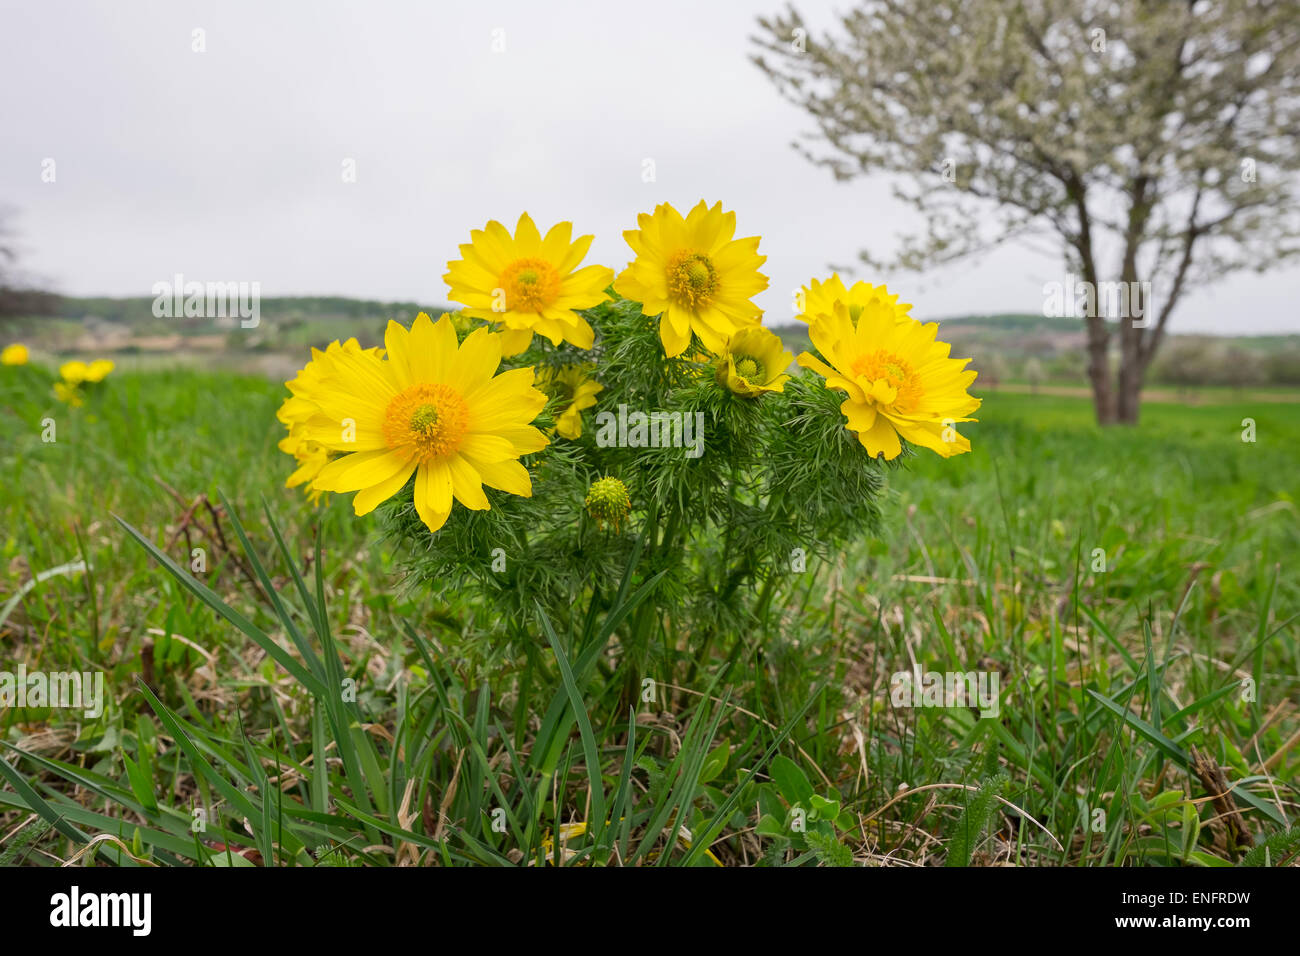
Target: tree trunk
{"points": [[1103, 395], [1103, 398], [1129, 399], [1131, 368], [1132, 306]]}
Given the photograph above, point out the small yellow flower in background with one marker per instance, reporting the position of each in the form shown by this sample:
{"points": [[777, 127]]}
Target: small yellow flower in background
{"points": [[898, 378], [68, 393], [429, 407], [819, 298], [78, 372], [74, 372], [98, 370], [694, 274], [311, 456], [753, 362], [528, 283], [608, 502], [464, 324], [15, 354], [573, 386]]}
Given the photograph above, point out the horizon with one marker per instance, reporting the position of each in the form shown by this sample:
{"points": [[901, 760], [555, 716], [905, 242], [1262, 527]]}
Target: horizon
{"points": [[790, 323]]}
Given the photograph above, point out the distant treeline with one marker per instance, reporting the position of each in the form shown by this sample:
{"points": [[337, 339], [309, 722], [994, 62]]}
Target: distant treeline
{"points": [[1007, 347], [1190, 360], [22, 301], [139, 309], [1185, 361], [1012, 322]]}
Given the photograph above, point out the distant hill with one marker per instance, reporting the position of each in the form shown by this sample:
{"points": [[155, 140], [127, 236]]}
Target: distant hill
{"points": [[285, 323], [1010, 347], [1021, 347], [139, 309], [1027, 322], [1011, 322]]}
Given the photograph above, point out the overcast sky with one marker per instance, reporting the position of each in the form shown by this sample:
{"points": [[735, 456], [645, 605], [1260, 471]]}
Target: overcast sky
{"points": [[227, 164]]}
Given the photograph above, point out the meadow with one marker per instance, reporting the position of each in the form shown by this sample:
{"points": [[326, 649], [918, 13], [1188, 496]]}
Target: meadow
{"points": [[1133, 589]]}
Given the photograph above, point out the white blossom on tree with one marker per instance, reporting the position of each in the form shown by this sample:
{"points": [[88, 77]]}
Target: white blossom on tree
{"points": [[1156, 141]]}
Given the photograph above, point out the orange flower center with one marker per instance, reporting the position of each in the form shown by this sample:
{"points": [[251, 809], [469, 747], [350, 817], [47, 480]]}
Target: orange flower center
{"points": [[427, 421], [888, 380], [691, 277], [530, 285]]}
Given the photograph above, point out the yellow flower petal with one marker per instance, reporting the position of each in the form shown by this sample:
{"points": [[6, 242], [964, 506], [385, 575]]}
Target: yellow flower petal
{"points": [[433, 489], [362, 469], [466, 485], [507, 476]]}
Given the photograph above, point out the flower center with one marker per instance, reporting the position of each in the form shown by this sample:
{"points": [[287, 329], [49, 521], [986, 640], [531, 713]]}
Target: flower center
{"points": [[691, 277], [562, 383], [562, 390], [889, 380], [427, 421], [530, 285], [749, 368]]}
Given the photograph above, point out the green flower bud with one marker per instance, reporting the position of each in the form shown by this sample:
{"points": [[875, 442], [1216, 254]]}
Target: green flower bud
{"points": [[608, 502]]}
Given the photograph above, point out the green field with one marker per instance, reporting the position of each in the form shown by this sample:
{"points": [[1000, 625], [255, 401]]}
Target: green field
{"points": [[984, 562]]}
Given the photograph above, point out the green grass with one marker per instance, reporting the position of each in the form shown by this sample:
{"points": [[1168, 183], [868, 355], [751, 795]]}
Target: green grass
{"points": [[985, 562]]}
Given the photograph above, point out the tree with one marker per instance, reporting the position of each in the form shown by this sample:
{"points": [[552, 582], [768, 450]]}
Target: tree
{"points": [[1034, 374], [1154, 141], [17, 296], [993, 370]]}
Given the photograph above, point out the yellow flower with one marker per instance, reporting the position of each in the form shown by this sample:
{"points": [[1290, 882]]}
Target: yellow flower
{"points": [[98, 370], [753, 362], [431, 408], [528, 283], [694, 274], [78, 372], [74, 372], [15, 354], [311, 456], [68, 393], [898, 378], [575, 390], [819, 298]]}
